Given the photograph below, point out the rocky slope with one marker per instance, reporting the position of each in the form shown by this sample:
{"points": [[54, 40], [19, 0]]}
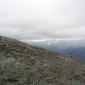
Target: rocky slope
{"points": [[24, 64]]}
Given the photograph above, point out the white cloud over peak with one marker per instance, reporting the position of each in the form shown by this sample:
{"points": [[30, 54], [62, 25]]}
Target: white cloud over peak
{"points": [[40, 19]]}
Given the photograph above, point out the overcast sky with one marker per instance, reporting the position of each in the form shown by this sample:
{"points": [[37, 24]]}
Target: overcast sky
{"points": [[43, 19]]}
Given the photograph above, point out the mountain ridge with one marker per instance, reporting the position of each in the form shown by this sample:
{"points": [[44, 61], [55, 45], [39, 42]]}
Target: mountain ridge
{"points": [[62, 47]]}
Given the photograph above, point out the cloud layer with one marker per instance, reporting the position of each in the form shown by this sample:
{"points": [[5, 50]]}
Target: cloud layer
{"points": [[39, 19]]}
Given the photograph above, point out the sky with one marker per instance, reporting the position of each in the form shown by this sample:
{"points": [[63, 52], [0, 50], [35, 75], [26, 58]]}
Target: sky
{"points": [[43, 19]]}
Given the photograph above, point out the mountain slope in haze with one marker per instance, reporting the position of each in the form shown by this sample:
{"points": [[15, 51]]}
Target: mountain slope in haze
{"points": [[63, 47], [76, 52], [24, 64]]}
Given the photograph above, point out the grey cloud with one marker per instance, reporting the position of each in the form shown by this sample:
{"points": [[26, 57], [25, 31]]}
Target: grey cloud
{"points": [[36, 19]]}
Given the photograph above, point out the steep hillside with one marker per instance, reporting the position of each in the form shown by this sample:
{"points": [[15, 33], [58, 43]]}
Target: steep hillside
{"points": [[24, 64]]}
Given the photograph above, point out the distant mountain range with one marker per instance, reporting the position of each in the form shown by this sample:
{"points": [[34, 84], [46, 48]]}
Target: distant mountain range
{"points": [[25, 64], [76, 49]]}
